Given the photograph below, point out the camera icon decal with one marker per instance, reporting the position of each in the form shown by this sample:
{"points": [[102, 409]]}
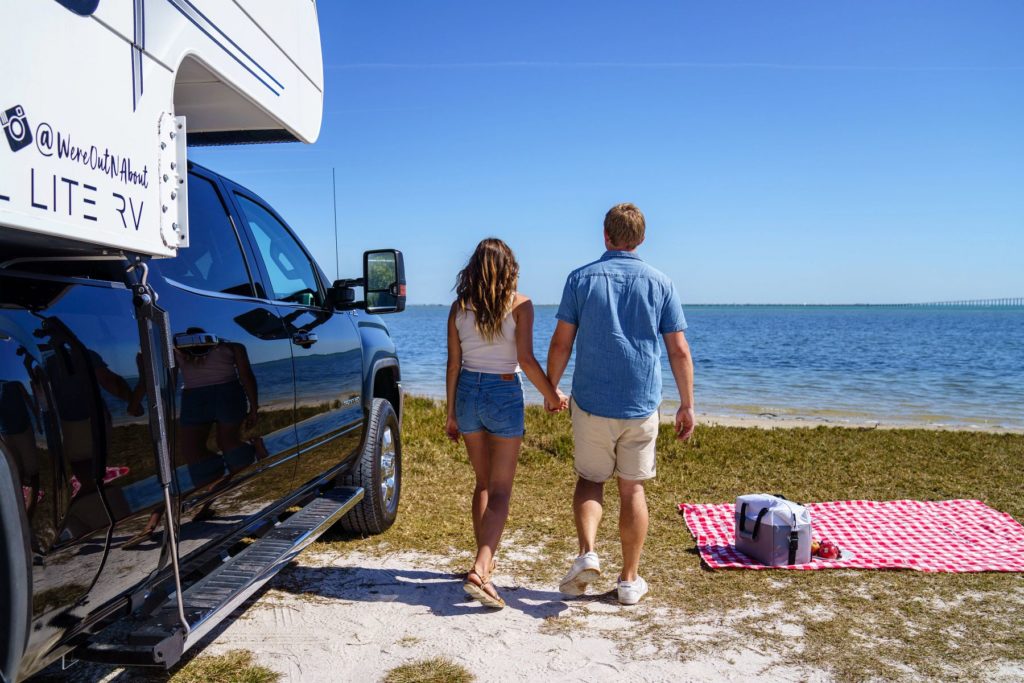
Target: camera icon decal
{"points": [[16, 128]]}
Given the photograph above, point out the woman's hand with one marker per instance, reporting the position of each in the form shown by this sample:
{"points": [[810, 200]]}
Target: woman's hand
{"points": [[451, 429], [250, 419], [556, 404]]}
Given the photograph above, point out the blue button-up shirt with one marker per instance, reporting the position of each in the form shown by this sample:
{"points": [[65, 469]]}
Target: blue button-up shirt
{"points": [[620, 306]]}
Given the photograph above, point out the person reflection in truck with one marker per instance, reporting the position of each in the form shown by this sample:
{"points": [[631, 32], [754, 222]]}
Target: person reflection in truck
{"points": [[490, 336], [18, 435], [77, 375], [219, 389]]}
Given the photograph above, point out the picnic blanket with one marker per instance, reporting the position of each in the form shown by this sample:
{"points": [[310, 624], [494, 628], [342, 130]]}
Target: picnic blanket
{"points": [[928, 536]]}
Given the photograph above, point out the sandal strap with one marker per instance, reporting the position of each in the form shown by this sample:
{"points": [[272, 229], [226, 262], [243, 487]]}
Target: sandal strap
{"points": [[483, 583]]}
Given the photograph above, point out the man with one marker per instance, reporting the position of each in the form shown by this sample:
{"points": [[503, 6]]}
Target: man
{"points": [[614, 310]]}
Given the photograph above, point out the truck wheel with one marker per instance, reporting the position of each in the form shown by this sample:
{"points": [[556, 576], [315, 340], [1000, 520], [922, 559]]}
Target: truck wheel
{"points": [[378, 471], [15, 572]]}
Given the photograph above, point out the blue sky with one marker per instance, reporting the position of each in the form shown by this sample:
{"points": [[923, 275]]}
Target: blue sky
{"points": [[799, 152]]}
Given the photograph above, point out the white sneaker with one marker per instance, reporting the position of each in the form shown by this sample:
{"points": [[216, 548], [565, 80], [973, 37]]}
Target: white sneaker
{"points": [[585, 569], [630, 592]]}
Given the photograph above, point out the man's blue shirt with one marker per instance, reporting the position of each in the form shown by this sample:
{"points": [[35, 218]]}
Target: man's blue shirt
{"points": [[620, 307]]}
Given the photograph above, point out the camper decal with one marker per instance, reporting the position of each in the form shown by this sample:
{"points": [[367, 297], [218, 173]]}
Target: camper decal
{"points": [[16, 128], [69, 193]]}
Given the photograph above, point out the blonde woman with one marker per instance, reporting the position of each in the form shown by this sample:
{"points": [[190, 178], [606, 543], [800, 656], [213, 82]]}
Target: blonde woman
{"points": [[490, 338]]}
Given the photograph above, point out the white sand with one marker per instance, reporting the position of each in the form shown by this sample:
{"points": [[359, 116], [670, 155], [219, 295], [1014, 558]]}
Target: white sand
{"points": [[345, 616], [355, 617]]}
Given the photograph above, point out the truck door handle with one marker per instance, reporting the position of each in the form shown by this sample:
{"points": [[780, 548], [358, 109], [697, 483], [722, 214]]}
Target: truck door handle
{"points": [[304, 339]]}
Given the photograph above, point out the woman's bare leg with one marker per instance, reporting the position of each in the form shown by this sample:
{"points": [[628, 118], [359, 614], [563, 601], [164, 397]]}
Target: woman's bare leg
{"points": [[504, 455], [476, 448]]}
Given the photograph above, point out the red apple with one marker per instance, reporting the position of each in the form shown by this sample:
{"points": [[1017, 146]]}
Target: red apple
{"points": [[828, 550]]}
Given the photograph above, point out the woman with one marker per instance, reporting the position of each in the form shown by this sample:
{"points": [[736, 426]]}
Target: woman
{"points": [[219, 388], [490, 337]]}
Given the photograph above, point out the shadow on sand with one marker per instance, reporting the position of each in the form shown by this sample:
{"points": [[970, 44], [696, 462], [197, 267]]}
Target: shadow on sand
{"points": [[440, 592]]}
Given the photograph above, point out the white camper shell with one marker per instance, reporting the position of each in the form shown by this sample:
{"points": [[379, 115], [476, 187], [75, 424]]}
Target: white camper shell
{"points": [[98, 99]]}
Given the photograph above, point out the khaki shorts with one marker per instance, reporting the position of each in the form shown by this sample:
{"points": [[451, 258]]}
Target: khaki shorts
{"points": [[607, 447]]}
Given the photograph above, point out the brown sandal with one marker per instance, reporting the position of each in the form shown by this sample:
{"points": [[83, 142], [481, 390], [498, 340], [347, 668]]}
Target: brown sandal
{"points": [[478, 590]]}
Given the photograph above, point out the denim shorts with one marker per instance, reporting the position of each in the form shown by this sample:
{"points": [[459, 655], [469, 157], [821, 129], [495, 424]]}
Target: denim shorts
{"points": [[222, 403], [491, 403]]}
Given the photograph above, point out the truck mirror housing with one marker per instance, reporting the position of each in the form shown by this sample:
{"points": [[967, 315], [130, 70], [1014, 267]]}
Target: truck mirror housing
{"points": [[384, 281]]}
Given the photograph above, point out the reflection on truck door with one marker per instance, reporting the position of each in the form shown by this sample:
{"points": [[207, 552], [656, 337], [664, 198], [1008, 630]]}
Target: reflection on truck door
{"points": [[324, 343], [233, 438]]}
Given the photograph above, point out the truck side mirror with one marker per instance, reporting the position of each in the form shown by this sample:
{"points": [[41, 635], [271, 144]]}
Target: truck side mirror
{"points": [[342, 295], [384, 281]]}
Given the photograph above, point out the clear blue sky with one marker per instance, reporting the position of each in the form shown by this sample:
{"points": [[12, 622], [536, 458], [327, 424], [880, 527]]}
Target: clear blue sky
{"points": [[858, 151]]}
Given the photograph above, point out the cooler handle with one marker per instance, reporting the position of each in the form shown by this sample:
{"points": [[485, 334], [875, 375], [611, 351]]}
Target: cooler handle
{"points": [[757, 522]]}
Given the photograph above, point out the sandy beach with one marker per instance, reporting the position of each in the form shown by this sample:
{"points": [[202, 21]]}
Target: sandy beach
{"points": [[333, 616], [350, 616]]}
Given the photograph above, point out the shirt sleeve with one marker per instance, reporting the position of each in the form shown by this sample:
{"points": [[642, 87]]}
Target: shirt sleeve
{"points": [[672, 318], [568, 310]]}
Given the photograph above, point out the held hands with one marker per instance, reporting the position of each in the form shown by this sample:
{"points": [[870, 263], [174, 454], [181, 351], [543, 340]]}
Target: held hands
{"points": [[135, 408], [451, 429], [563, 403], [684, 423]]}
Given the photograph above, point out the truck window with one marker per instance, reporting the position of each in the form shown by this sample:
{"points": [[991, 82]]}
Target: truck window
{"points": [[213, 260], [291, 274]]}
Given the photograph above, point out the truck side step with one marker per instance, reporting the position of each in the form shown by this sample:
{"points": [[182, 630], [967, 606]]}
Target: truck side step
{"points": [[158, 639]]}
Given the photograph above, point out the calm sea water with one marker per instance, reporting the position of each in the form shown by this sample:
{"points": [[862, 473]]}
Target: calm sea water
{"points": [[954, 366]]}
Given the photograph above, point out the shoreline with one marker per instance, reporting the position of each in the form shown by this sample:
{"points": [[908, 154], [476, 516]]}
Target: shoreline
{"points": [[796, 422], [770, 421]]}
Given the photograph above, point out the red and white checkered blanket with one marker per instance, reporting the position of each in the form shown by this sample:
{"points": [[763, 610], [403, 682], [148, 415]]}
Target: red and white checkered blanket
{"points": [[929, 536]]}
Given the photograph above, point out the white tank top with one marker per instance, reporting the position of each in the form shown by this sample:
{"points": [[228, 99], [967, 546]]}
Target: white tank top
{"points": [[498, 357]]}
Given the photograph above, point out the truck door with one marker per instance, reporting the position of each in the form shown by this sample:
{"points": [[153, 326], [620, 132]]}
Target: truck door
{"points": [[325, 344], [233, 441]]}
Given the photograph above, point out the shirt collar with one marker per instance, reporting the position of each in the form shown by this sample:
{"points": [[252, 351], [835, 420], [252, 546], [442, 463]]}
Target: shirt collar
{"points": [[614, 253]]}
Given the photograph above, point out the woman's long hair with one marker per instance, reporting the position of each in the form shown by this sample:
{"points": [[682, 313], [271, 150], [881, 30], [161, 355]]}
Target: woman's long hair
{"points": [[487, 285]]}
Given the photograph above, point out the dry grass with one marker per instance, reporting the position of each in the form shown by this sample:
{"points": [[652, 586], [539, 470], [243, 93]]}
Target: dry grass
{"points": [[236, 666], [859, 624], [437, 670]]}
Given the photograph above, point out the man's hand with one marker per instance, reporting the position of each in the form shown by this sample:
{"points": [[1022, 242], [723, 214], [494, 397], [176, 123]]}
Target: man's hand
{"points": [[250, 419], [684, 423], [451, 429]]}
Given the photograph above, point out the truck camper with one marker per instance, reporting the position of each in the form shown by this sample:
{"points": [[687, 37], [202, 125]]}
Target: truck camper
{"points": [[186, 400], [102, 97]]}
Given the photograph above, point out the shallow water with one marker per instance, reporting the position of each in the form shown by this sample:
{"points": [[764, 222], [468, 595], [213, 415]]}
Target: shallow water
{"points": [[952, 366]]}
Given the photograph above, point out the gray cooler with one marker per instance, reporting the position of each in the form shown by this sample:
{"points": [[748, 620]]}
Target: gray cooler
{"points": [[773, 530]]}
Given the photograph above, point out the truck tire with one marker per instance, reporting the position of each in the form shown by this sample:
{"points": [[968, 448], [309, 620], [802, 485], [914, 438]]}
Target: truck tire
{"points": [[378, 472], [15, 572]]}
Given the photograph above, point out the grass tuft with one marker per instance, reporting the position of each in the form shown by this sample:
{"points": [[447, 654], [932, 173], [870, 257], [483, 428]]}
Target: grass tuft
{"points": [[237, 666], [436, 670]]}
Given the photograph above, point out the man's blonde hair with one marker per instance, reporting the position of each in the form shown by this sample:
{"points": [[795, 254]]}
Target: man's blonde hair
{"points": [[625, 225]]}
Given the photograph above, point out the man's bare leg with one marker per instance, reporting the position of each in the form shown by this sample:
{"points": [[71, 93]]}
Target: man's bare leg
{"points": [[633, 520], [587, 510]]}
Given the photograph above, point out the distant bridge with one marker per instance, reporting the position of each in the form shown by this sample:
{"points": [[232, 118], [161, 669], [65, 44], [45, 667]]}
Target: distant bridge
{"points": [[988, 303]]}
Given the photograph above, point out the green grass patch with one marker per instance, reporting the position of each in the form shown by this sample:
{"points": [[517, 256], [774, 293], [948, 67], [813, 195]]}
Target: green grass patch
{"points": [[437, 670], [859, 624]]}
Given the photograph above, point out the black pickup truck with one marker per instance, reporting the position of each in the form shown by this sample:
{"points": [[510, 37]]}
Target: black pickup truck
{"points": [[283, 400]]}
